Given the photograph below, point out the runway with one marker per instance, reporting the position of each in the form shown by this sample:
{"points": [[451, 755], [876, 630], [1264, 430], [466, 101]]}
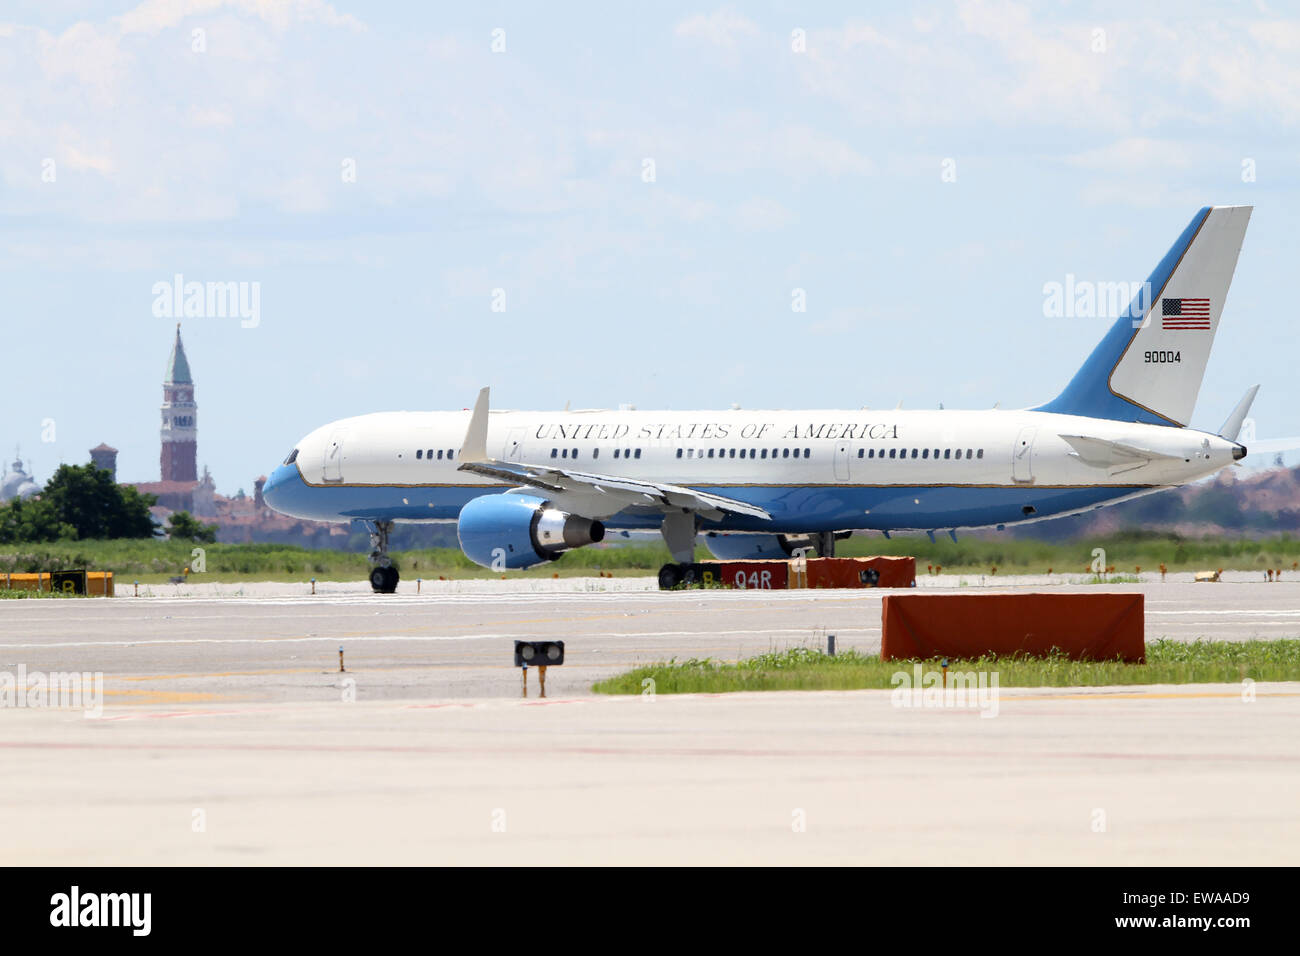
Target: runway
{"points": [[273, 642], [228, 711]]}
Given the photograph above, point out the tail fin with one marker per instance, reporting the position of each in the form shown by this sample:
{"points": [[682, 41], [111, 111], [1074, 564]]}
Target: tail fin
{"points": [[1149, 366]]}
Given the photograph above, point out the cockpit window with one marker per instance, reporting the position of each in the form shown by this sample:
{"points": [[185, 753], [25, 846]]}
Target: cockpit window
{"points": [[293, 456]]}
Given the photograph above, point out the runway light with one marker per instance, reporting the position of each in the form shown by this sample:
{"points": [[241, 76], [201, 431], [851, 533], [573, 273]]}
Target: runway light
{"points": [[541, 653]]}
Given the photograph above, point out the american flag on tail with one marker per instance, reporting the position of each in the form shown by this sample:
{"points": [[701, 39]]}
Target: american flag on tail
{"points": [[1184, 314]]}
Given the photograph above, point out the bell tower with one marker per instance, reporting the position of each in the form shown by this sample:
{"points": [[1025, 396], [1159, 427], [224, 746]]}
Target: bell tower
{"points": [[179, 454]]}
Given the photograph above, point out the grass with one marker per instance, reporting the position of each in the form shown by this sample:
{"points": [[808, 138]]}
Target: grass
{"points": [[1126, 551], [154, 561], [804, 668]]}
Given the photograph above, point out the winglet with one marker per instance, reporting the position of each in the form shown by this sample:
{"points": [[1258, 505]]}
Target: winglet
{"points": [[1232, 427], [474, 448]]}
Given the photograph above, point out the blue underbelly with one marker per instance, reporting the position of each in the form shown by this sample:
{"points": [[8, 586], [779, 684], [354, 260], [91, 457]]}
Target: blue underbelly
{"points": [[793, 509]]}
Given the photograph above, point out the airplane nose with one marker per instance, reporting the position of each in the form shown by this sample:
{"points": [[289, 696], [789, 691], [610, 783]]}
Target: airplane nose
{"points": [[276, 481], [1238, 452]]}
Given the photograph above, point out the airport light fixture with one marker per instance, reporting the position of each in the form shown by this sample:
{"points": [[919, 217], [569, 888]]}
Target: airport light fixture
{"points": [[539, 654]]}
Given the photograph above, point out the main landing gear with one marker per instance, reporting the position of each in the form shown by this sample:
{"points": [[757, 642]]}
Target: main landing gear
{"points": [[678, 529], [383, 576]]}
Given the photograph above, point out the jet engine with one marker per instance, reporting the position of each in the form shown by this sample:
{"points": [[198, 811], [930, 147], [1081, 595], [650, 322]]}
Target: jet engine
{"points": [[509, 531]]}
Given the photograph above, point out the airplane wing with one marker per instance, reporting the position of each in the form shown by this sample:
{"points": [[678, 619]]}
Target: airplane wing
{"points": [[618, 493], [1103, 453]]}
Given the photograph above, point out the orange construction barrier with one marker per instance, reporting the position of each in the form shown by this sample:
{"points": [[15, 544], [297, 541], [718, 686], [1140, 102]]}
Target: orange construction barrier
{"points": [[890, 572], [964, 626], [98, 583]]}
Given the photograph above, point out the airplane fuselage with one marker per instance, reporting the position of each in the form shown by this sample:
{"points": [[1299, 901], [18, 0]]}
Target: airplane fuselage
{"points": [[810, 470]]}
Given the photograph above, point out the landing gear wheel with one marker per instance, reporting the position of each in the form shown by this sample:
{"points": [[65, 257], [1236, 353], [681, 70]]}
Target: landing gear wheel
{"points": [[670, 575], [384, 580]]}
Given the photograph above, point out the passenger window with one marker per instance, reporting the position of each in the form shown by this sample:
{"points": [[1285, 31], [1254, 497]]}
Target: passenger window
{"points": [[807, 452], [785, 452], [690, 453], [575, 453], [925, 453], [871, 453], [742, 453], [440, 454], [861, 452], [980, 453], [564, 453], [733, 453], [891, 453], [914, 452], [419, 453], [710, 452], [968, 453], [637, 454], [555, 452], [764, 452], [679, 453], [595, 453]]}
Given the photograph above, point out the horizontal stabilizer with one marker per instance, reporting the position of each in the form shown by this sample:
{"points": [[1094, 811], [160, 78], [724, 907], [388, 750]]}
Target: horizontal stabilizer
{"points": [[1103, 453], [1269, 446], [1232, 427]]}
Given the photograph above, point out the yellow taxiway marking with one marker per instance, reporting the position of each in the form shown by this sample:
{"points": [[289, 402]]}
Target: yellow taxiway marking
{"points": [[162, 696], [285, 670]]}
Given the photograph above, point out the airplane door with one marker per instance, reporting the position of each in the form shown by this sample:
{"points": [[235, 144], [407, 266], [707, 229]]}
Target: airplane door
{"points": [[514, 445], [333, 463], [1023, 454], [842, 461]]}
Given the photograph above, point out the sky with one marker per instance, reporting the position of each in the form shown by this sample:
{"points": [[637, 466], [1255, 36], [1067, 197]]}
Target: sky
{"points": [[673, 205]]}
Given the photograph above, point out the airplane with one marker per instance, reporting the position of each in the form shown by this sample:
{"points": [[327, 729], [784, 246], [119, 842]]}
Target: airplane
{"points": [[525, 487]]}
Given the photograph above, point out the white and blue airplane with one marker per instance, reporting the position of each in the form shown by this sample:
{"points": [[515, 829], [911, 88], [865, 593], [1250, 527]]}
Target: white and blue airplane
{"points": [[524, 487]]}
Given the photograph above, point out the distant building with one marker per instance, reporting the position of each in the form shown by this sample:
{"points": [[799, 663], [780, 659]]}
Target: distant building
{"points": [[104, 457], [179, 455], [17, 483], [241, 518]]}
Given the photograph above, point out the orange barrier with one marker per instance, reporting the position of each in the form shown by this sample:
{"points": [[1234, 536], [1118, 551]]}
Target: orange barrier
{"points": [[964, 626], [98, 583], [890, 572]]}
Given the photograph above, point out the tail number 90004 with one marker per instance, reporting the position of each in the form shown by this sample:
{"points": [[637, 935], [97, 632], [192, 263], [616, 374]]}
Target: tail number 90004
{"points": [[1162, 358]]}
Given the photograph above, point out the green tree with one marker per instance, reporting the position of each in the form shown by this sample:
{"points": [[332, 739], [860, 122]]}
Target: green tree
{"points": [[87, 499], [183, 526], [32, 520]]}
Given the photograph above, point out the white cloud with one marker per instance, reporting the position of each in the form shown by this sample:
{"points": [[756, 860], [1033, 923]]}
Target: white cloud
{"points": [[723, 28], [762, 215]]}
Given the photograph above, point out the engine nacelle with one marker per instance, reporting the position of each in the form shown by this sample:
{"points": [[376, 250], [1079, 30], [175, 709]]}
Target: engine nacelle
{"points": [[754, 547], [518, 531]]}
